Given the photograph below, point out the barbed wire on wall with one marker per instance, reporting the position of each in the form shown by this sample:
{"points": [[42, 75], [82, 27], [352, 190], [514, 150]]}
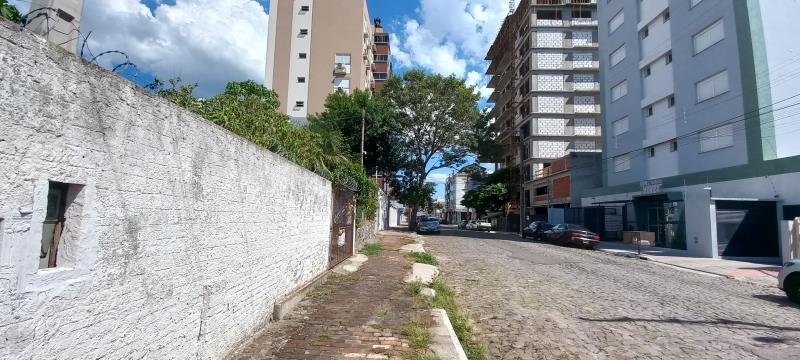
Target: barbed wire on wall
{"points": [[75, 34]]}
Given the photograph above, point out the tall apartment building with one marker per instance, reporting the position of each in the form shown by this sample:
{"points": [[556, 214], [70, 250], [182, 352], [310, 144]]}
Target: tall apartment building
{"points": [[544, 71], [57, 20], [316, 47], [383, 56], [701, 111]]}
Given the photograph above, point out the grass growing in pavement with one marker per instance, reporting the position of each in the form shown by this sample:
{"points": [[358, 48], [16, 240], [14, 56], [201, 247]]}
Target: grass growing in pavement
{"points": [[446, 299], [371, 249], [419, 337], [414, 288], [423, 257]]}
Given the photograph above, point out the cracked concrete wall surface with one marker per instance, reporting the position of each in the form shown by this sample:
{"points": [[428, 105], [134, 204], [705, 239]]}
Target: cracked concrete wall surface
{"points": [[182, 235]]}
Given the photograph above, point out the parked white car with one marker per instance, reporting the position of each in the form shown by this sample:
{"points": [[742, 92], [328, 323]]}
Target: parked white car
{"points": [[483, 225], [789, 279], [470, 225]]}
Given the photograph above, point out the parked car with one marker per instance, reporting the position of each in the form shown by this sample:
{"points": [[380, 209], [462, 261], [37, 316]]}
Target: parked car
{"points": [[536, 229], [789, 280], [428, 224], [463, 225], [571, 234], [483, 225], [470, 225]]}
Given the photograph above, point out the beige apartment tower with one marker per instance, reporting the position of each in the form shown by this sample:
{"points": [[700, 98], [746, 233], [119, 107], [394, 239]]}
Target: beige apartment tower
{"points": [[316, 47]]}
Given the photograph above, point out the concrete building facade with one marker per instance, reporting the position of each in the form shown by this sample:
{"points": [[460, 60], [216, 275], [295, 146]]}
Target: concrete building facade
{"points": [[383, 55], [698, 108], [544, 69], [457, 184], [59, 21], [132, 228], [316, 47]]}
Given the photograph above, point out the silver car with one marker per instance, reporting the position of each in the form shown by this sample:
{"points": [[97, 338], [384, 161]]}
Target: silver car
{"points": [[428, 224]]}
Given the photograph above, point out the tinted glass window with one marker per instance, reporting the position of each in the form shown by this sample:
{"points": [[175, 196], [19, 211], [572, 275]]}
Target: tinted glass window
{"points": [[576, 227]]}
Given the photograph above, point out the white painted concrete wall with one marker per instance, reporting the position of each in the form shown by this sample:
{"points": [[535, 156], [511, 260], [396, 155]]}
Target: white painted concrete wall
{"points": [[186, 234]]}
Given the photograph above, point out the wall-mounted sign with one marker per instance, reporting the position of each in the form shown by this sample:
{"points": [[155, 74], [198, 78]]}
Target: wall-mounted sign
{"points": [[651, 186]]}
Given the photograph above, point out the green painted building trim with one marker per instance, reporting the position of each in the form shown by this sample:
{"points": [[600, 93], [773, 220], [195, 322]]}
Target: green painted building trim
{"points": [[756, 90], [747, 171]]}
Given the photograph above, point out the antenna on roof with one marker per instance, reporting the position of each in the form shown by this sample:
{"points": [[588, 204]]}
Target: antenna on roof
{"points": [[510, 7]]}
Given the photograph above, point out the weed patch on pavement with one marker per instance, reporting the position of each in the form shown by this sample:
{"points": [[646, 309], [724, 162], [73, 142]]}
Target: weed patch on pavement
{"points": [[371, 249], [424, 258], [446, 299]]}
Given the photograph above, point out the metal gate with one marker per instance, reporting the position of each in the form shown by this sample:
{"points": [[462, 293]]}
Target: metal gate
{"points": [[341, 247]]}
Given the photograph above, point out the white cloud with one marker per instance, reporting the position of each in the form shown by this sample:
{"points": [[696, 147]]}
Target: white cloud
{"points": [[480, 81], [438, 178], [451, 35], [210, 42]]}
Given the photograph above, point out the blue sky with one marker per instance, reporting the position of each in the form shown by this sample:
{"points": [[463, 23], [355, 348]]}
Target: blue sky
{"points": [[212, 42]]}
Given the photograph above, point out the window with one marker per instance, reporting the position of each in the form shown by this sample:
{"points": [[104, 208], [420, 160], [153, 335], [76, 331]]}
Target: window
{"points": [[619, 90], [621, 126], [381, 58], [666, 15], [305, 8], [713, 86], [343, 59], [668, 58], [581, 14], [646, 71], [694, 3], [303, 32], [616, 22], [673, 145], [341, 84], [301, 79], [618, 55], [711, 35], [671, 101], [382, 39], [62, 216], [651, 151], [548, 15], [63, 15], [380, 76], [717, 138], [644, 33], [302, 55], [299, 104], [648, 111], [622, 163]]}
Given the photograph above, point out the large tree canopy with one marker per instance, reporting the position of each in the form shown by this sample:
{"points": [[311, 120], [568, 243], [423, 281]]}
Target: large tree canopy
{"points": [[344, 112], [436, 119]]}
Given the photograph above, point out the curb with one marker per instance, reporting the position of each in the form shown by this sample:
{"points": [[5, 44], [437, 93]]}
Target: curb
{"points": [[444, 341], [649, 258]]}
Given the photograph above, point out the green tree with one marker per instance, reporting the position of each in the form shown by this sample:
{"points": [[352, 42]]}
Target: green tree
{"points": [[486, 147], [435, 118], [486, 197], [9, 11], [344, 112]]}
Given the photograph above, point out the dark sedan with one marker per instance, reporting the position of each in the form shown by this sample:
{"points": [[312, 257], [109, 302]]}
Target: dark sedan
{"points": [[571, 234], [536, 230]]}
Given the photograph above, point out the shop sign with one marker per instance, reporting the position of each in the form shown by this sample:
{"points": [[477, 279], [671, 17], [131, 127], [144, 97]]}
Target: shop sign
{"points": [[651, 186]]}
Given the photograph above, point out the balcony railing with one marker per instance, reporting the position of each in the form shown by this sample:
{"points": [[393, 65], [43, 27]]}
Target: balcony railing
{"points": [[564, 2], [565, 23]]}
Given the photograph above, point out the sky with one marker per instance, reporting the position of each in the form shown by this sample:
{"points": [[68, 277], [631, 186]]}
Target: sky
{"points": [[212, 42]]}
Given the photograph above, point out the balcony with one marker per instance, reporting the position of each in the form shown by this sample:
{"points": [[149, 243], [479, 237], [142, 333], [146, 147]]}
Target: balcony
{"points": [[341, 69], [564, 2]]}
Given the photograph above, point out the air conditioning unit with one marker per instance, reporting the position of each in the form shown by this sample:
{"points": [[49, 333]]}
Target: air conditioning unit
{"points": [[340, 69]]}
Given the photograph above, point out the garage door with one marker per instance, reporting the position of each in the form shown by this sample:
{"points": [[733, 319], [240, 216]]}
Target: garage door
{"points": [[747, 229]]}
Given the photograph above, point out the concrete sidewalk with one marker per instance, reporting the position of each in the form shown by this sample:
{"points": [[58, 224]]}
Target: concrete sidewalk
{"points": [[759, 273]]}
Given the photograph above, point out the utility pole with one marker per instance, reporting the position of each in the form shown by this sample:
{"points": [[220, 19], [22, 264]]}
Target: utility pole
{"points": [[363, 124]]}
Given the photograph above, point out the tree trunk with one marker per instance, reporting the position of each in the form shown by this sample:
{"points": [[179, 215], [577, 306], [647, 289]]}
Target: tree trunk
{"points": [[412, 221]]}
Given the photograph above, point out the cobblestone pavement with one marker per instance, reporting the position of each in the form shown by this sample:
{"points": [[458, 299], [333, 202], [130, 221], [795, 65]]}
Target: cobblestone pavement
{"points": [[358, 316], [540, 301]]}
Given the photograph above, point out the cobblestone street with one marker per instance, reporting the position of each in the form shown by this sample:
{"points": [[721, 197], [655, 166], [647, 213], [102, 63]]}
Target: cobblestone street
{"points": [[540, 301]]}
